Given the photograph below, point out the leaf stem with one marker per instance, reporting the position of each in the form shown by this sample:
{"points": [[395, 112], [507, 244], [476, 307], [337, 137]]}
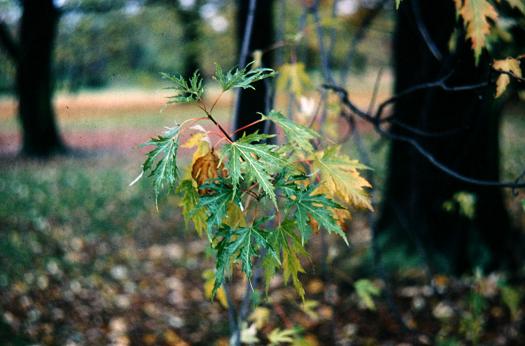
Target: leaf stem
{"points": [[208, 113]]}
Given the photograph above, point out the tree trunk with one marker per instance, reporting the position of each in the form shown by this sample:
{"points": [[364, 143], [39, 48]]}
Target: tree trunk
{"points": [[412, 210], [190, 22], [250, 102], [34, 79]]}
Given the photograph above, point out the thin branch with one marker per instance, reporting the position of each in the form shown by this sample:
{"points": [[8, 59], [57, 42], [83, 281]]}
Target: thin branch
{"points": [[376, 121], [325, 63], [440, 83], [360, 34], [422, 28]]}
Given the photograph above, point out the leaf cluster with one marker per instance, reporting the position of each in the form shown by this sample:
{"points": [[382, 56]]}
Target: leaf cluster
{"points": [[258, 203]]}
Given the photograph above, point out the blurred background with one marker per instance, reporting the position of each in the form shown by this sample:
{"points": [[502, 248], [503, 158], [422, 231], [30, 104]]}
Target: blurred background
{"points": [[88, 260]]}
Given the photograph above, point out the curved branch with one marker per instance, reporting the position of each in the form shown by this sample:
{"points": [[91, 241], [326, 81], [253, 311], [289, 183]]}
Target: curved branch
{"points": [[422, 28], [343, 95]]}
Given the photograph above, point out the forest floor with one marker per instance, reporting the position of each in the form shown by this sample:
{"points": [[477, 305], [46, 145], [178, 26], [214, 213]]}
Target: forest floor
{"points": [[88, 260]]}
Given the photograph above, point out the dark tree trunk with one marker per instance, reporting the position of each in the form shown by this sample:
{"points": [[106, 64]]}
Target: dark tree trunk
{"points": [[35, 79], [412, 210], [250, 102], [190, 22]]}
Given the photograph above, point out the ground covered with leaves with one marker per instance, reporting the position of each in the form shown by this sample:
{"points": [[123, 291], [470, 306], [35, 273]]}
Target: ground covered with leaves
{"points": [[88, 260]]}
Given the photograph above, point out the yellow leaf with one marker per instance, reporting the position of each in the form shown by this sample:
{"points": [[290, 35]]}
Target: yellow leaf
{"points": [[509, 65], [341, 179], [518, 4], [294, 77], [209, 277], [476, 15], [260, 317], [234, 216], [194, 140]]}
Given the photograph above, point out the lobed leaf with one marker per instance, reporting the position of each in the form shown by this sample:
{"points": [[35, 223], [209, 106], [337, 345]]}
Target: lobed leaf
{"points": [[340, 178], [509, 65], [314, 207], [239, 245], [241, 78], [187, 91], [476, 15], [366, 290], [295, 133], [254, 162], [161, 161], [190, 204], [294, 77]]}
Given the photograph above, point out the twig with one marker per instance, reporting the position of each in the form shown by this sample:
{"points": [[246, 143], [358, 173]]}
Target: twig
{"points": [[360, 34], [422, 28], [376, 121]]}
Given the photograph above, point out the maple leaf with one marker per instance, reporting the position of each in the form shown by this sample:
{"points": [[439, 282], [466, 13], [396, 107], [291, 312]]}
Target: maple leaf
{"points": [[285, 241], [317, 207], [476, 15], [509, 65], [241, 78], [187, 91], [518, 4], [340, 178], [164, 153], [216, 202], [260, 317], [366, 290], [191, 210], [241, 245], [296, 134], [258, 161], [278, 336], [209, 277], [206, 167], [293, 76]]}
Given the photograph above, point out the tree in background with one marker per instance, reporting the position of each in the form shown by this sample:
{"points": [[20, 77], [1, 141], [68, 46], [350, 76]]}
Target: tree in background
{"points": [[190, 22], [457, 225], [32, 56], [260, 37]]}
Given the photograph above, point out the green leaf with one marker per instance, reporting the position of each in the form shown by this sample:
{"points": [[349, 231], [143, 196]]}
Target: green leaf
{"points": [[191, 208], [511, 297], [216, 202], [164, 153], [253, 162], [285, 241], [296, 134], [523, 204], [366, 290], [239, 245], [398, 2], [319, 208], [241, 78], [186, 91]]}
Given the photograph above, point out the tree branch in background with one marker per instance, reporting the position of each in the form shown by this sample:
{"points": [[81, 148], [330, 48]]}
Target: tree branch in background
{"points": [[422, 28], [377, 121], [360, 34], [8, 43]]}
